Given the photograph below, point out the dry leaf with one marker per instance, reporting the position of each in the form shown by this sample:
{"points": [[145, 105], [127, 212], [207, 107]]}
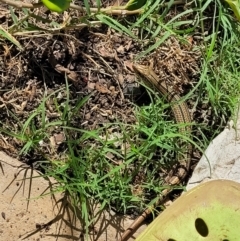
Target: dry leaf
{"points": [[101, 88]]}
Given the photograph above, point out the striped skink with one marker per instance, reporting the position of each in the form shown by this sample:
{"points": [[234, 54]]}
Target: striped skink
{"points": [[182, 116]]}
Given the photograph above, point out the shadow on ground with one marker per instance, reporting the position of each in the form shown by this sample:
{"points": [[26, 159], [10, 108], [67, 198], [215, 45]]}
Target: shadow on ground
{"points": [[49, 217]]}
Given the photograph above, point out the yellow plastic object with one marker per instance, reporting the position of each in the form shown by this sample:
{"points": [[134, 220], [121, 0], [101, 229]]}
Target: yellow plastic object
{"points": [[210, 211], [57, 5]]}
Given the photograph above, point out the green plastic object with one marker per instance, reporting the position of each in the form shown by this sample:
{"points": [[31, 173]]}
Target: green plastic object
{"points": [[208, 212], [57, 5]]}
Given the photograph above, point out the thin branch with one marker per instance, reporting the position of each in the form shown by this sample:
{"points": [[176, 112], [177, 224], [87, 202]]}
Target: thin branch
{"points": [[109, 10], [19, 4]]}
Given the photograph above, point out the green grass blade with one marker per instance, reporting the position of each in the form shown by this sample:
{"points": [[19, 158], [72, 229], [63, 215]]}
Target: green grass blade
{"points": [[115, 24], [146, 14], [87, 6], [154, 46], [14, 16], [8, 36]]}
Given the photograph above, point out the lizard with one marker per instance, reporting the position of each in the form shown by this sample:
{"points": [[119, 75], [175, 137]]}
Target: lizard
{"points": [[182, 116]]}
